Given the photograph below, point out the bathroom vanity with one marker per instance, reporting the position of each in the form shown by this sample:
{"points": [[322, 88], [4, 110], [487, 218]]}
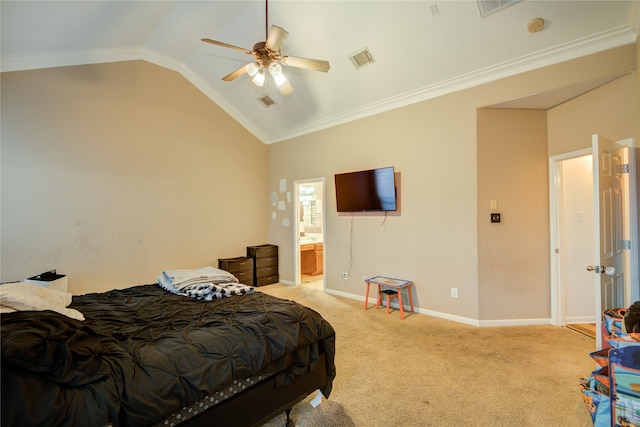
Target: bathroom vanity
{"points": [[311, 255]]}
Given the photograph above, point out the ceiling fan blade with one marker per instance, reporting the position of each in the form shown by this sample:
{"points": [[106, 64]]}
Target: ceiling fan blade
{"points": [[275, 38], [235, 74], [310, 64], [241, 49], [285, 88]]}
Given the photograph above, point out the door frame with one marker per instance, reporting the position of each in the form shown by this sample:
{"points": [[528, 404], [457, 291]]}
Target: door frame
{"points": [[558, 290], [296, 228], [557, 286]]}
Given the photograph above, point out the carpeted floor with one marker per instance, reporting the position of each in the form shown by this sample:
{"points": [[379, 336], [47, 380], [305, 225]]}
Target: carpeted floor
{"points": [[426, 371]]}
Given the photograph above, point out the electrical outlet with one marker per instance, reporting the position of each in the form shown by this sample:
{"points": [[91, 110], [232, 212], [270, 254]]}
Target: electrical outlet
{"points": [[454, 292], [345, 275]]}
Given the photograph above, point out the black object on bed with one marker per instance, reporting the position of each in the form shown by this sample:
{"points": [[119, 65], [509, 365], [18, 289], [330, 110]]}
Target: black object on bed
{"points": [[144, 354]]}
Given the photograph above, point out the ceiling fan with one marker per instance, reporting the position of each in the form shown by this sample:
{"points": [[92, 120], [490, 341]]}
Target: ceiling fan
{"points": [[268, 58]]}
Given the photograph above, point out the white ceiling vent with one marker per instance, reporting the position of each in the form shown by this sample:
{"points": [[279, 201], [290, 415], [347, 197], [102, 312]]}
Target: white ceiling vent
{"points": [[488, 7], [361, 58], [266, 100]]}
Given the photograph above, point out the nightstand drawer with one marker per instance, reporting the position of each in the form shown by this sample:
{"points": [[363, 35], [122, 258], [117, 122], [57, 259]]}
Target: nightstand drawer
{"points": [[266, 262], [262, 251], [267, 280], [245, 277], [267, 271], [233, 265]]}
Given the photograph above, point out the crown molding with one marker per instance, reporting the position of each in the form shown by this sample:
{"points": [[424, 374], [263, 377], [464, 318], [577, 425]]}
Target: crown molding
{"points": [[586, 46], [67, 59], [583, 47]]}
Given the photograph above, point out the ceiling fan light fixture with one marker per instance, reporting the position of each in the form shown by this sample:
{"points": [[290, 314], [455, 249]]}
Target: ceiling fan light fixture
{"points": [[285, 88], [252, 68], [275, 70], [258, 79], [280, 79]]}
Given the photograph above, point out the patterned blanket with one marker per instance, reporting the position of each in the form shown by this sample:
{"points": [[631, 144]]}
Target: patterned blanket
{"points": [[206, 283]]}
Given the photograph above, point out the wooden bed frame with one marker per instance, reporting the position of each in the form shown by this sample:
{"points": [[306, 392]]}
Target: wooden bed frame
{"points": [[262, 402]]}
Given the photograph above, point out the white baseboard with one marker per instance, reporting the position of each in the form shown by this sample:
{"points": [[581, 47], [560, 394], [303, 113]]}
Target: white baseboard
{"points": [[516, 322], [452, 317]]}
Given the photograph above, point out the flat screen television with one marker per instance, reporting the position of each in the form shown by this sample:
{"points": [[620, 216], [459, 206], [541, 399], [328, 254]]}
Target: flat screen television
{"points": [[367, 190]]}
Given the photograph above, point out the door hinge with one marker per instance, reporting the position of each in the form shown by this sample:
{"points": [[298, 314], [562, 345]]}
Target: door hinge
{"points": [[625, 244], [623, 168]]}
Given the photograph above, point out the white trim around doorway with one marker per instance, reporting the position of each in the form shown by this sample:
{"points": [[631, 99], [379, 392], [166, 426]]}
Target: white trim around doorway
{"points": [[557, 292], [296, 228]]}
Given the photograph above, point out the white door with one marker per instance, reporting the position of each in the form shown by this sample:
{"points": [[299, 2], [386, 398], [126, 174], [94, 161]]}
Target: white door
{"points": [[609, 200]]}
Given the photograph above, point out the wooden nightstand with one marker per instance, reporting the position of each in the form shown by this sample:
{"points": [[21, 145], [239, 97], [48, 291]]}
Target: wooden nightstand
{"points": [[265, 261], [241, 267]]}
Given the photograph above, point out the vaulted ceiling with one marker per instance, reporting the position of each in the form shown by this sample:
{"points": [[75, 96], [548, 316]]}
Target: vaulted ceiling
{"points": [[421, 49]]}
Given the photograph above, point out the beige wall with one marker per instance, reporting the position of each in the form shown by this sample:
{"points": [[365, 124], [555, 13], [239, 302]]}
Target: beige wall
{"points": [[609, 110], [434, 241], [513, 255], [112, 173]]}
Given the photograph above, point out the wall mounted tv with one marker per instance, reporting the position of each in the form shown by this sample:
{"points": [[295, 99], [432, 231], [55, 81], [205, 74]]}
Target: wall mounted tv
{"points": [[367, 190]]}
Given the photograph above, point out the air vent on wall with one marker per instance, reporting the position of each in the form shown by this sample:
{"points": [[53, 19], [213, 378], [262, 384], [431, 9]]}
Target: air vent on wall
{"points": [[266, 100], [488, 7], [361, 58]]}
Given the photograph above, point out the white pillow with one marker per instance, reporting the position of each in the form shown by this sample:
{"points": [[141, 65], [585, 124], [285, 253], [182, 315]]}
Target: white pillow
{"points": [[5, 309], [29, 296]]}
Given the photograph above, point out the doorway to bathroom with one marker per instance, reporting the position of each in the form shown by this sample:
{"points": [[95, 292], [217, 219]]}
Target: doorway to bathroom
{"points": [[309, 232]]}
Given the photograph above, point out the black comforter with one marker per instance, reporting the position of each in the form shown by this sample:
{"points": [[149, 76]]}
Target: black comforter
{"points": [[143, 353]]}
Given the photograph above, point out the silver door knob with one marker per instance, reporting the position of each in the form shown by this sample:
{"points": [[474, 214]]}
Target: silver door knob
{"points": [[596, 269]]}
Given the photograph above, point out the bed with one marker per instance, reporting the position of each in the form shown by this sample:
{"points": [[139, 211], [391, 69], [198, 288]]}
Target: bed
{"points": [[144, 356]]}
